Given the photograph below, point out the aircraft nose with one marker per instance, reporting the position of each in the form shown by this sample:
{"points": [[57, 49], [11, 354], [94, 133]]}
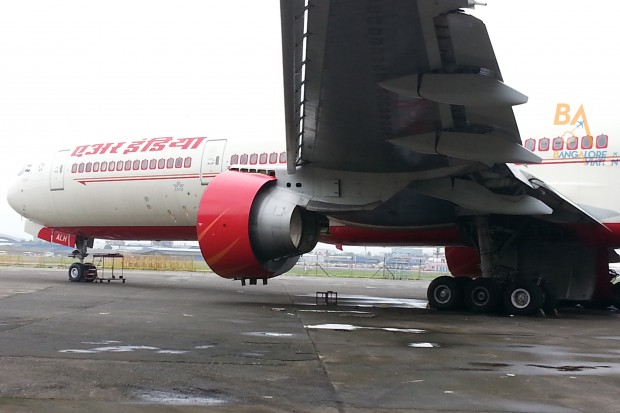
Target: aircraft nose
{"points": [[15, 197]]}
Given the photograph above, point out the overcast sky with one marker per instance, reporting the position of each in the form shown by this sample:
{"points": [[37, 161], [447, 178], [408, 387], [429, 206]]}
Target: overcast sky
{"points": [[88, 71]]}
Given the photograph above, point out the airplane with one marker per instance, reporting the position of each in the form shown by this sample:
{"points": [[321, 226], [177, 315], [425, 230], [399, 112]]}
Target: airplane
{"points": [[399, 131]]}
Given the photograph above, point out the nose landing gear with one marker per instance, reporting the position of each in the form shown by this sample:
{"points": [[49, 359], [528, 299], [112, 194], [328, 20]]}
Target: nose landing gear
{"points": [[80, 271]]}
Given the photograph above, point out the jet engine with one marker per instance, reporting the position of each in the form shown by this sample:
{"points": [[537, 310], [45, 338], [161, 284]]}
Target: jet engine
{"points": [[248, 228]]}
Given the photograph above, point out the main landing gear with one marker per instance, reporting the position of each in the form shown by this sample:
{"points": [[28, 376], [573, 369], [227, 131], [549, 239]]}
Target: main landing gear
{"points": [[487, 295], [498, 289]]}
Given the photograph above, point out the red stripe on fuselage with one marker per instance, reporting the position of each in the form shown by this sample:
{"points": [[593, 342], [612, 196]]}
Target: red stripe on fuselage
{"points": [[140, 233], [583, 161], [345, 235], [142, 178]]}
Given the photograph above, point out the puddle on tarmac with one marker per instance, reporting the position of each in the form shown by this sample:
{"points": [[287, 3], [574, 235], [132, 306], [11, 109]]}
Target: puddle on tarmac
{"points": [[493, 365], [570, 369], [372, 301], [267, 334], [101, 343], [109, 349], [182, 399], [344, 313], [118, 349], [524, 368], [350, 327], [252, 354], [424, 345], [336, 311]]}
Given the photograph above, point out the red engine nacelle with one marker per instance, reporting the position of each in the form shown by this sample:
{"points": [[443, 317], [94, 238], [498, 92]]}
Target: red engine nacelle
{"points": [[249, 228], [463, 261]]}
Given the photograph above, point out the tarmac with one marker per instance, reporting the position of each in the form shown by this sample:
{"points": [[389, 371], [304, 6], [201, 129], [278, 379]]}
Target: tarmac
{"points": [[193, 342]]}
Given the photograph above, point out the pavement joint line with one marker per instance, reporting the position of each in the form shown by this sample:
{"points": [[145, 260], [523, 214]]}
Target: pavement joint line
{"points": [[339, 404]]}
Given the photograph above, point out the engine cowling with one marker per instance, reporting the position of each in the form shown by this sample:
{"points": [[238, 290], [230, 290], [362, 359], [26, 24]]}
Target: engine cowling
{"points": [[249, 228], [463, 261]]}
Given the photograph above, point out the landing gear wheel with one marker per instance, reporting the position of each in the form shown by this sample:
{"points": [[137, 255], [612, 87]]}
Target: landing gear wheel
{"points": [[444, 293], [523, 298], [76, 272], [483, 295]]}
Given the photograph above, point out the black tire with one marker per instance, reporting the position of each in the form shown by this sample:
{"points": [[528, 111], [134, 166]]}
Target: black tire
{"points": [[76, 272], [483, 295], [523, 298], [444, 293]]}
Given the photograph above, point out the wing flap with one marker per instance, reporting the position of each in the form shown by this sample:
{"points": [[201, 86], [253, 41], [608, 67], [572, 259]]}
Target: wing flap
{"points": [[456, 89], [485, 148]]}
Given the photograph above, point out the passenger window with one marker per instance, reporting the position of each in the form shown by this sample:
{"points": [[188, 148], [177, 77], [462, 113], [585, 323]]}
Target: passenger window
{"points": [[586, 142], [543, 144], [530, 145], [558, 144], [602, 141], [571, 143]]}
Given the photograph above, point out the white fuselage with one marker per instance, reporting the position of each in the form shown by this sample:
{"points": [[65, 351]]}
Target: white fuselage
{"points": [[151, 189], [585, 175], [146, 183]]}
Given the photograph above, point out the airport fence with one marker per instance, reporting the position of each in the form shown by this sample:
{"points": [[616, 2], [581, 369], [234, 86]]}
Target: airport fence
{"points": [[129, 262], [193, 264]]}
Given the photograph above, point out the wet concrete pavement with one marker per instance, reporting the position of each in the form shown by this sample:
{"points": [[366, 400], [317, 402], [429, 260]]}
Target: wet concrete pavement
{"points": [[194, 342]]}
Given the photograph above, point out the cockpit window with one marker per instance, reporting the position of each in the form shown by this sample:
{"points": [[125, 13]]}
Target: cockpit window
{"points": [[25, 170]]}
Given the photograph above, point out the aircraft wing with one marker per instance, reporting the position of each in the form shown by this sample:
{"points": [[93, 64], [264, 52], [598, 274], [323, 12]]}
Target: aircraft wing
{"points": [[394, 85], [409, 86]]}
